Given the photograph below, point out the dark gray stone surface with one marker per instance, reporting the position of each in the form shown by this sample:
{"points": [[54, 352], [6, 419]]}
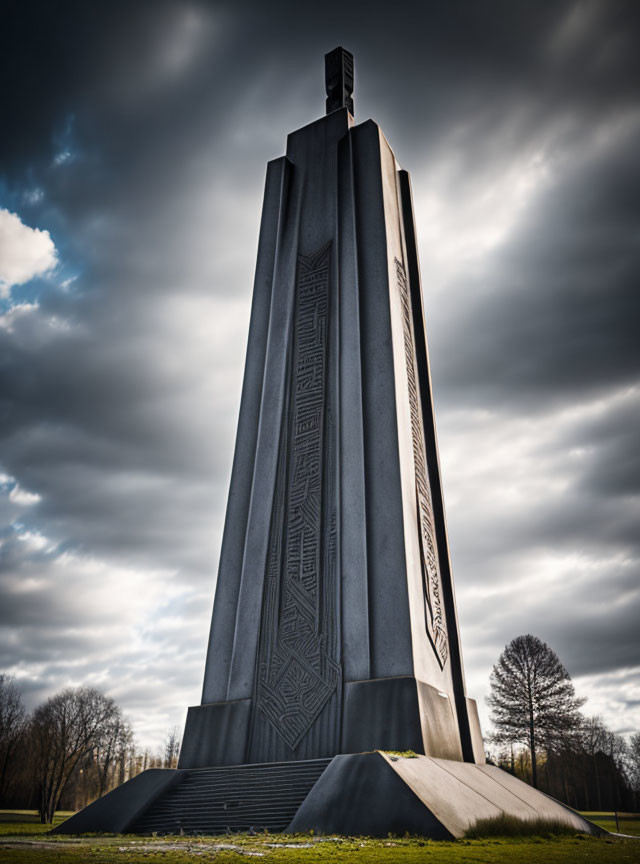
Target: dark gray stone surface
{"points": [[338, 73], [262, 480], [362, 796], [433, 465], [390, 644], [381, 714], [314, 602], [223, 623], [352, 513], [116, 811], [297, 685], [216, 734], [232, 799]]}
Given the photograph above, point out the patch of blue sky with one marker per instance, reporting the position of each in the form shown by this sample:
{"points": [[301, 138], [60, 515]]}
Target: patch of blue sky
{"points": [[12, 194], [28, 292], [65, 149], [29, 198], [33, 196], [26, 193], [65, 276], [7, 482]]}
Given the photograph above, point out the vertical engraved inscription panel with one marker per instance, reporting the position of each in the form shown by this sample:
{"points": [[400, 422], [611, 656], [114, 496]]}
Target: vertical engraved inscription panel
{"points": [[432, 587], [297, 669]]}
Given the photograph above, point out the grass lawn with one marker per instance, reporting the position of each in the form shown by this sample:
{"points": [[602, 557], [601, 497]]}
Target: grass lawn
{"points": [[24, 823], [607, 820], [24, 841]]}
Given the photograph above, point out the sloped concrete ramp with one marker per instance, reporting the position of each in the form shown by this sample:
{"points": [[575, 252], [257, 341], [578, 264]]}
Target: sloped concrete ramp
{"points": [[357, 795]]}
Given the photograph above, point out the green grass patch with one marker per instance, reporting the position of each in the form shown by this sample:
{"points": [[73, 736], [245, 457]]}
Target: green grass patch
{"points": [[628, 823], [401, 754], [631, 827], [307, 849], [24, 823], [511, 826]]}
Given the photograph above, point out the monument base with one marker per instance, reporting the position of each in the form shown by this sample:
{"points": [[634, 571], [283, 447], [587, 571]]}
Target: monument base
{"points": [[364, 794], [395, 713]]}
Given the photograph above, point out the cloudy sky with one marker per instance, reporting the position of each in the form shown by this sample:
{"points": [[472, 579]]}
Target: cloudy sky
{"points": [[132, 158]]}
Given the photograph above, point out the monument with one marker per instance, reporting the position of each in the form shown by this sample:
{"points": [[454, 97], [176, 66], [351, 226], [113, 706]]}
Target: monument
{"points": [[334, 696]]}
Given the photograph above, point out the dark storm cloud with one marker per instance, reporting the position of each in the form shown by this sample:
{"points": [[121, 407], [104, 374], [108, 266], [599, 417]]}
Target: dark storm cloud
{"points": [[137, 135], [611, 442], [560, 316]]}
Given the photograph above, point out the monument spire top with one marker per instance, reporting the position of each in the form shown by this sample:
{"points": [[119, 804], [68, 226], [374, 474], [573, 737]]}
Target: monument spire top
{"points": [[338, 73]]}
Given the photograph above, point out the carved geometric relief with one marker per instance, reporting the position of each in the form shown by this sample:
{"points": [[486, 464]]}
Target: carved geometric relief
{"points": [[431, 582], [297, 670]]}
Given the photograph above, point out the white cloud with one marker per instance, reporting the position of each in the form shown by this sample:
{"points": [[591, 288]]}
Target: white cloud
{"points": [[15, 313], [469, 200], [615, 696], [62, 157], [24, 252], [22, 497], [115, 627], [33, 540]]}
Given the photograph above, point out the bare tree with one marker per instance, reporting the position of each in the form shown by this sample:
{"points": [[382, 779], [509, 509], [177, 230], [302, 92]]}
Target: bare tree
{"points": [[594, 739], [634, 764], [63, 731], [172, 749], [111, 749], [617, 749], [12, 727], [532, 698]]}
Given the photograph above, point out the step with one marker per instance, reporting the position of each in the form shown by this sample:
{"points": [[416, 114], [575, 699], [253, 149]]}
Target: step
{"points": [[233, 798]]}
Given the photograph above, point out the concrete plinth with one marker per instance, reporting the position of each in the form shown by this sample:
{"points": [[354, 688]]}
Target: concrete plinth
{"points": [[372, 794]]}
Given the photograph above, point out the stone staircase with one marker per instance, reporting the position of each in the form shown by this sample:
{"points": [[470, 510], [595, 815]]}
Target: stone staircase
{"points": [[236, 798]]}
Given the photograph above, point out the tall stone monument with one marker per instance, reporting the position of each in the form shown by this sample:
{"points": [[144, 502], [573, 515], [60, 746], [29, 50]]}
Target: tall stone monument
{"points": [[334, 625], [334, 641]]}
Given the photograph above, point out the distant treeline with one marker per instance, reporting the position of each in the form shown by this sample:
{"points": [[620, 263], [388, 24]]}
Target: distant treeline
{"points": [[582, 776], [75, 747]]}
